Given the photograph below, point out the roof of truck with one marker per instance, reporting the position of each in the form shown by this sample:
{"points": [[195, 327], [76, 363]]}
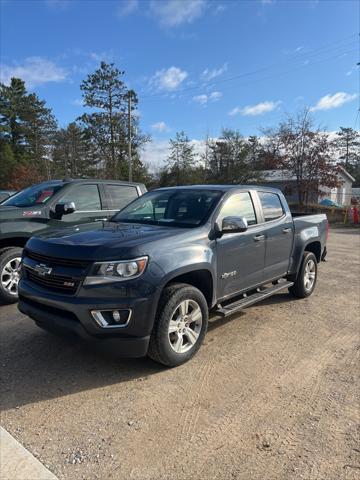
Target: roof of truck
{"points": [[87, 180], [223, 188]]}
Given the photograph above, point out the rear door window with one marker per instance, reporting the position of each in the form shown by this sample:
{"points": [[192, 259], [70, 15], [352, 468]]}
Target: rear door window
{"points": [[85, 197], [271, 206], [120, 195]]}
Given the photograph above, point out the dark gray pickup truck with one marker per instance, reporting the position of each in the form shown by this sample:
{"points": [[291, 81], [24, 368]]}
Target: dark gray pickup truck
{"points": [[147, 279], [54, 204]]}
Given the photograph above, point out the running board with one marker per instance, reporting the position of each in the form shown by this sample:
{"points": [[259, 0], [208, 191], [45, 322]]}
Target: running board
{"points": [[251, 299]]}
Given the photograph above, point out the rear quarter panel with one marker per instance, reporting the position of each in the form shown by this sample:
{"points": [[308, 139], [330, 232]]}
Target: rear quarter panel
{"points": [[307, 229]]}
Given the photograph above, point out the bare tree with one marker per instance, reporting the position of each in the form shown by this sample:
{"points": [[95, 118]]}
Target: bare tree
{"points": [[306, 153]]}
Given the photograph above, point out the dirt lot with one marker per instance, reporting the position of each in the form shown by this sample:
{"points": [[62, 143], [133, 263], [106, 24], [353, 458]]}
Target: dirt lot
{"points": [[273, 394]]}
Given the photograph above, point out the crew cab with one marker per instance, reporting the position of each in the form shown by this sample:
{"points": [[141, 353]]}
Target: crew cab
{"points": [[148, 279], [53, 204]]}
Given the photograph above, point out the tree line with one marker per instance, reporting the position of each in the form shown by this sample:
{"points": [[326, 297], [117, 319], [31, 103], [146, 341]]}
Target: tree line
{"points": [[33, 147], [309, 156]]}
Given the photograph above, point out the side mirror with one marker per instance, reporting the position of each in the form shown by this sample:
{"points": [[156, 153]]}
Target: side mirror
{"points": [[234, 225], [64, 208]]}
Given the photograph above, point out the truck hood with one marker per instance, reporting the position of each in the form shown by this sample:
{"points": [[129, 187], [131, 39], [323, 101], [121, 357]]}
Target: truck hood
{"points": [[101, 241]]}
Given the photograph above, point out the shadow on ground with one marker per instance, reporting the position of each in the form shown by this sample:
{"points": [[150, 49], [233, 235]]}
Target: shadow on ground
{"points": [[37, 365]]}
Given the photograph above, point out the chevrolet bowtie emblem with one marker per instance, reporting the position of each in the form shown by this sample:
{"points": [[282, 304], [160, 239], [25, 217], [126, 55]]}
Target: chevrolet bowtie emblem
{"points": [[43, 269]]}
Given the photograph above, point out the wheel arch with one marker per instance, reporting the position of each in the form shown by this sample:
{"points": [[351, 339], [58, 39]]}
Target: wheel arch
{"points": [[13, 242], [315, 248], [200, 278]]}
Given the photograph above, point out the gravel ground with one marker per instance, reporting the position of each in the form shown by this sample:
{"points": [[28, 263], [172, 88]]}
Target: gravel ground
{"points": [[273, 394]]}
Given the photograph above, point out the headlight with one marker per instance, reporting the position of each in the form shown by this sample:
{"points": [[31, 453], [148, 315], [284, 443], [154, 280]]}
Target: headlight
{"points": [[114, 271]]}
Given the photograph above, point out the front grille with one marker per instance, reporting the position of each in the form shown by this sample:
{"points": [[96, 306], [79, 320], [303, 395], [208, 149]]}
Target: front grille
{"points": [[55, 283], [56, 261]]}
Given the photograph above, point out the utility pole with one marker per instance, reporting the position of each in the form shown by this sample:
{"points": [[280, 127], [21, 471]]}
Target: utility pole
{"points": [[129, 138]]}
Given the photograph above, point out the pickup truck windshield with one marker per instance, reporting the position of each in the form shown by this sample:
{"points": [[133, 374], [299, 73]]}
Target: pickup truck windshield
{"points": [[35, 196], [179, 208]]}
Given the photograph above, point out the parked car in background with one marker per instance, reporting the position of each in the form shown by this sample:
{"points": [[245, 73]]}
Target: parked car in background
{"points": [[52, 205], [146, 281], [4, 194]]}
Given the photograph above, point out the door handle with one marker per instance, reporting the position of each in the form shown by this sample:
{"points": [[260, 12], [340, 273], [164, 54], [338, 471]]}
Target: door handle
{"points": [[287, 230], [258, 238], [100, 220]]}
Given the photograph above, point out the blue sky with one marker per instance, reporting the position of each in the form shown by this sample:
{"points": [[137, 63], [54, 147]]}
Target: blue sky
{"points": [[197, 65]]}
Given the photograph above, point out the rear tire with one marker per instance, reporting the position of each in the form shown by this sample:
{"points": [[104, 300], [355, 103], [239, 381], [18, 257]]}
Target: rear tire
{"points": [[9, 274], [306, 280], [180, 325]]}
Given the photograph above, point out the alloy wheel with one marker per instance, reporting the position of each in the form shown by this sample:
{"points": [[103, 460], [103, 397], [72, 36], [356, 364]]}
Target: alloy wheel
{"points": [[10, 276], [185, 326], [309, 275]]}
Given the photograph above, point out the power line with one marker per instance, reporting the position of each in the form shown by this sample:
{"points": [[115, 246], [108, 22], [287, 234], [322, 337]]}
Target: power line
{"points": [[358, 110], [185, 92], [295, 60]]}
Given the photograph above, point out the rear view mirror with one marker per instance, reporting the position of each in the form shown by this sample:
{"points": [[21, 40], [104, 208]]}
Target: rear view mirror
{"points": [[64, 208], [234, 225]]}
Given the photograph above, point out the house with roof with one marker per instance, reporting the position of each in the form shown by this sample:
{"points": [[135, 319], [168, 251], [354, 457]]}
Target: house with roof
{"points": [[286, 182]]}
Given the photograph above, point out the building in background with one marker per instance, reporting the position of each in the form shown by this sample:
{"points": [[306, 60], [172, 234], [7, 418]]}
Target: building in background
{"points": [[286, 182]]}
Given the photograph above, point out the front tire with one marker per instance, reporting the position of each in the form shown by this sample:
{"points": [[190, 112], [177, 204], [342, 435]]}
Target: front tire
{"points": [[10, 260], [306, 280], [180, 325]]}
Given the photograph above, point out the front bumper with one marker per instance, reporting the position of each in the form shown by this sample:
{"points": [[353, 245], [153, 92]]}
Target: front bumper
{"points": [[60, 313]]}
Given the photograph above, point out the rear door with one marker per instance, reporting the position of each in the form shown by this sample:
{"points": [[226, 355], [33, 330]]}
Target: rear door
{"points": [[240, 256], [278, 229], [118, 196]]}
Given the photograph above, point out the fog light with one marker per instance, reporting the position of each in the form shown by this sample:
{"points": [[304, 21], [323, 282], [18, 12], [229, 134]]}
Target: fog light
{"points": [[111, 318]]}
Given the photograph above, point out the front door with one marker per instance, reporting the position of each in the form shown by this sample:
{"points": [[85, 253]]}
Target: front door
{"points": [[240, 256], [87, 203]]}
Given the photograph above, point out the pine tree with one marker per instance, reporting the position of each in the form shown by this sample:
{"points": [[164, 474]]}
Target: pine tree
{"points": [[27, 127], [347, 145], [13, 104], [39, 128], [181, 162], [230, 159], [72, 153], [7, 163], [107, 127]]}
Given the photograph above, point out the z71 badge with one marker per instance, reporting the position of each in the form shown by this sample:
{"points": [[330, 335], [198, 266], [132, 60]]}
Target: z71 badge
{"points": [[31, 213], [228, 274]]}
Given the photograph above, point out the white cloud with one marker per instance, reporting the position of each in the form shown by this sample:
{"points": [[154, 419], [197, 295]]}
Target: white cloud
{"points": [[333, 101], [160, 127], [214, 96], [34, 71], [169, 79], [202, 99], [172, 13], [258, 109], [219, 8], [127, 7], [205, 98], [156, 152], [208, 74]]}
